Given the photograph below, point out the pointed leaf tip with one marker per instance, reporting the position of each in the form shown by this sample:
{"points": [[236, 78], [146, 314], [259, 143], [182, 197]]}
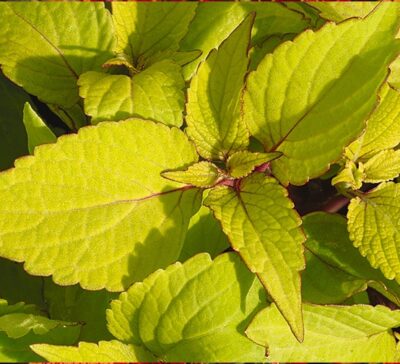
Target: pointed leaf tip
{"points": [[202, 174], [213, 104], [264, 229], [242, 163], [38, 132]]}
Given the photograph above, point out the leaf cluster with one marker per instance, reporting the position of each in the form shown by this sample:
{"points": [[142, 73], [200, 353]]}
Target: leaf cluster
{"points": [[148, 207]]}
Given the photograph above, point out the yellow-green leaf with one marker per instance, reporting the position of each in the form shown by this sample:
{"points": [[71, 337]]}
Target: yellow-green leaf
{"points": [[104, 351], [384, 166], [333, 75], [394, 77], [214, 22], [202, 174], [357, 333], [195, 311], [144, 30], [94, 209], [38, 132], [262, 226], [242, 163], [383, 127], [374, 227], [351, 176], [339, 11], [155, 93], [213, 107], [44, 47]]}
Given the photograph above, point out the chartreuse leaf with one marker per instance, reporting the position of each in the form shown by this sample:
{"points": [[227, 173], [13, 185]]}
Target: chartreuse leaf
{"points": [[258, 52], [201, 174], [334, 75], [109, 226], [192, 311], [13, 141], [369, 158], [374, 227], [155, 93], [358, 333], [204, 235], [394, 77], [181, 58], [384, 166], [263, 228], [123, 315], [351, 176], [383, 127], [38, 132], [213, 106], [104, 351], [343, 10], [328, 241], [242, 163], [144, 30], [74, 304], [214, 22], [19, 319], [397, 355], [45, 47]]}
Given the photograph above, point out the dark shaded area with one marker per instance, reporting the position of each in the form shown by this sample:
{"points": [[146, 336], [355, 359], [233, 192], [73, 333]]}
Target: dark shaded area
{"points": [[313, 196], [375, 298], [52, 120], [13, 138]]}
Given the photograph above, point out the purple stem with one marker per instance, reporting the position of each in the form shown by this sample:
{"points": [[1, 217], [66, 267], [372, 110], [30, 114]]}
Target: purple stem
{"points": [[335, 204], [262, 168]]}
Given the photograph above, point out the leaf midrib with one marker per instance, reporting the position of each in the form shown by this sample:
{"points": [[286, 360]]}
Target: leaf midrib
{"points": [[107, 204], [58, 51], [143, 31], [320, 99]]}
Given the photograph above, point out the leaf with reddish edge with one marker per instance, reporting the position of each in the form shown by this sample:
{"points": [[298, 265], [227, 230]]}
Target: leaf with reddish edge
{"points": [[334, 75], [264, 229]]}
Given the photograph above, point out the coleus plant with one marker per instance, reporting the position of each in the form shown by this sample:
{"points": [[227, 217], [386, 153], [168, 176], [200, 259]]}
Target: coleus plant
{"points": [[204, 117]]}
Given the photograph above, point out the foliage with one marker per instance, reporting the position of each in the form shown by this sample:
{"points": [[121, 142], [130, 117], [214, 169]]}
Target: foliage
{"points": [[164, 211]]}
